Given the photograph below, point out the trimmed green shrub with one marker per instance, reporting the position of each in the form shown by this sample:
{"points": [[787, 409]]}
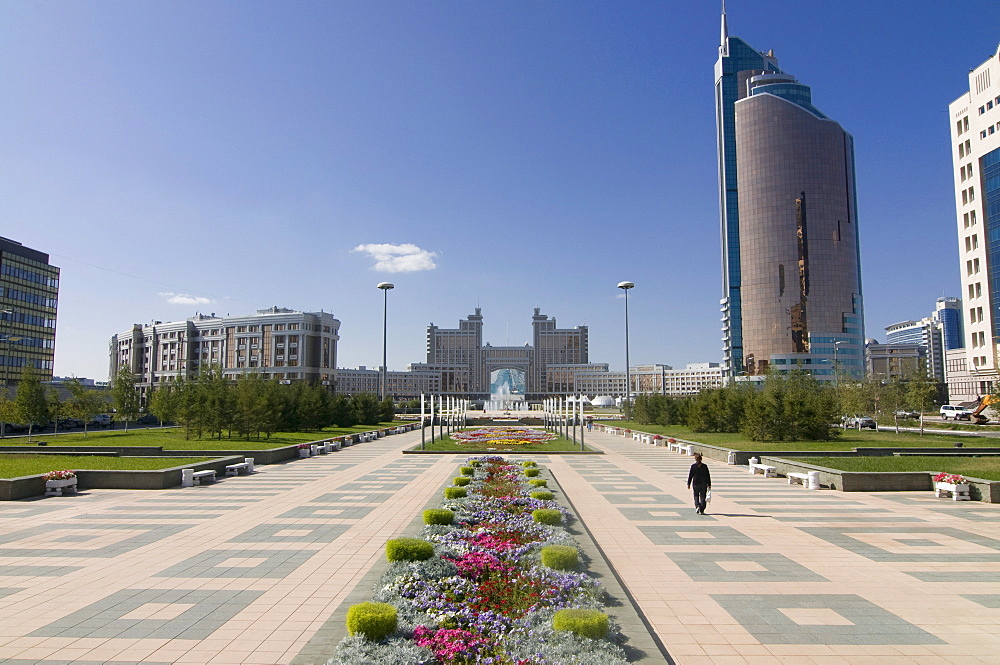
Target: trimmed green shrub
{"points": [[438, 516], [475, 463], [538, 482], [372, 620], [408, 549], [461, 481], [548, 516], [528, 463], [560, 557], [467, 470], [585, 623], [542, 495], [531, 473], [455, 493]]}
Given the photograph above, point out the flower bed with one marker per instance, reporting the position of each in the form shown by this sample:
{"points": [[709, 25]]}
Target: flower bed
{"points": [[502, 436], [485, 596]]}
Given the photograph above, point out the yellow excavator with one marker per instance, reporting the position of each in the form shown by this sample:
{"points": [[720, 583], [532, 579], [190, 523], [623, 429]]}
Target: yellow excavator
{"points": [[977, 413]]}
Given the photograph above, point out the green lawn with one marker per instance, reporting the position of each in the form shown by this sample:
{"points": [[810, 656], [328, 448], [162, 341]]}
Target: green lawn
{"points": [[556, 445], [15, 466], [848, 439], [987, 468], [172, 438]]}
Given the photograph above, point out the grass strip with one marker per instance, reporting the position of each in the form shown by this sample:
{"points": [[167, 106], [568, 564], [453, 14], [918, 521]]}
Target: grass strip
{"points": [[15, 466], [172, 438], [987, 468], [848, 439]]}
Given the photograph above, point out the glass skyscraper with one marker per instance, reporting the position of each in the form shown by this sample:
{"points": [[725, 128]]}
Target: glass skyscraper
{"points": [[791, 269]]}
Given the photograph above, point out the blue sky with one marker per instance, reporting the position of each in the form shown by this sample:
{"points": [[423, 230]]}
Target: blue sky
{"points": [[176, 157]]}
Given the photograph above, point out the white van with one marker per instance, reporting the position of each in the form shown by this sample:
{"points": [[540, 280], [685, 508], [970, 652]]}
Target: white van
{"points": [[956, 412]]}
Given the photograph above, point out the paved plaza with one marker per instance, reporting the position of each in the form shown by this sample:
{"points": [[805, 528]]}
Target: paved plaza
{"points": [[259, 570]]}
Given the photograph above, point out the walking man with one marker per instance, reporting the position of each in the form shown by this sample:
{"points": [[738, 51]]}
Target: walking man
{"points": [[701, 480]]}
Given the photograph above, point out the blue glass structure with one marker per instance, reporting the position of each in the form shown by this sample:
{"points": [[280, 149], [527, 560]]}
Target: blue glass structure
{"points": [[735, 56]]}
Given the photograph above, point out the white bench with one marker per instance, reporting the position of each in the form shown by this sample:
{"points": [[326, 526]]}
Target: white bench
{"points": [[768, 471], [809, 480], [687, 450], [244, 467], [190, 477]]}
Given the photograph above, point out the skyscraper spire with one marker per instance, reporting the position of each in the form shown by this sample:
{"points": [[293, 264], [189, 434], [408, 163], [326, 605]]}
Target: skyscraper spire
{"points": [[724, 41]]}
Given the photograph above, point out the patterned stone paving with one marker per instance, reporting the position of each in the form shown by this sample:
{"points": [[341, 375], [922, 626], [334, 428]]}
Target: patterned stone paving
{"points": [[251, 569]]}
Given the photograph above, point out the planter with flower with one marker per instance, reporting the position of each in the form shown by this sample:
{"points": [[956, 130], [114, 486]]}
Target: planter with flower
{"points": [[657, 440], [305, 450], [951, 484], [490, 585], [56, 482]]}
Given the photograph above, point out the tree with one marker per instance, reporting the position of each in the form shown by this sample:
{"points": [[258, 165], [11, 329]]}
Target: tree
{"points": [[216, 401], [163, 403], [388, 410], [790, 407], [7, 413], [30, 404], [341, 413], [125, 395], [250, 405], [366, 409], [83, 403]]}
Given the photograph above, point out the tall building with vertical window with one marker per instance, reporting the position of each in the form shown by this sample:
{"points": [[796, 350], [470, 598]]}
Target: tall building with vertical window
{"points": [[791, 267], [975, 137], [29, 294]]}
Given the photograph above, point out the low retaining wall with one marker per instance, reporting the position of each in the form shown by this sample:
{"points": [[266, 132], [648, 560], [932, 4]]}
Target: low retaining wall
{"points": [[784, 462], [157, 479]]}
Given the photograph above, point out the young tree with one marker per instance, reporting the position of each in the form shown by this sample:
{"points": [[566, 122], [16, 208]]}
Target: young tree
{"points": [[83, 403], [341, 413], [30, 405], [388, 409], [7, 413], [366, 409], [163, 403], [216, 399], [125, 395]]}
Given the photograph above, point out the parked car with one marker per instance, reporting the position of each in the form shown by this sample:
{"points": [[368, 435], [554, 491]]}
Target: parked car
{"points": [[100, 420], [70, 423], [860, 422], [15, 427], [148, 419], [956, 412], [903, 413]]}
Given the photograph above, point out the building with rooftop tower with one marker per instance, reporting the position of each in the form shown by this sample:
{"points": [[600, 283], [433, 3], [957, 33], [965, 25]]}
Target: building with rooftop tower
{"points": [[791, 268]]}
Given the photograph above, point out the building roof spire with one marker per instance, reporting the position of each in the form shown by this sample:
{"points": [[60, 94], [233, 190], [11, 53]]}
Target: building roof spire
{"points": [[724, 41]]}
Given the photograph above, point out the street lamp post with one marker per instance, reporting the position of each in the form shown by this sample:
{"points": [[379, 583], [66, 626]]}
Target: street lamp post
{"points": [[836, 365], [625, 286], [385, 286]]}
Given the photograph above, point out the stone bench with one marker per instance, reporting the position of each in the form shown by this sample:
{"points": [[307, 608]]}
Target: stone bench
{"points": [[245, 467], [809, 480], [768, 471], [190, 477]]}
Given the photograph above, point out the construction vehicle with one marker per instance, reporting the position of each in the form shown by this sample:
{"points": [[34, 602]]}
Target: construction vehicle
{"points": [[981, 405]]}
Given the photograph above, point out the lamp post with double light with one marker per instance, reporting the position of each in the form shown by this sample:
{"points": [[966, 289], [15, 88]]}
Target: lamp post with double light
{"points": [[385, 286], [625, 286]]}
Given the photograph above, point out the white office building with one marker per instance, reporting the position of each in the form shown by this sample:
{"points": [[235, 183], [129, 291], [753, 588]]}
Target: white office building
{"points": [[975, 135]]}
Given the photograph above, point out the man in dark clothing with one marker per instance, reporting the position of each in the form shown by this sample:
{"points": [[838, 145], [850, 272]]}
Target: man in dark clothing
{"points": [[701, 480]]}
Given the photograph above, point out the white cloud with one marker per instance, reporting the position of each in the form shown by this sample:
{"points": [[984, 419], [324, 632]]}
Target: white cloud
{"points": [[398, 258], [185, 299]]}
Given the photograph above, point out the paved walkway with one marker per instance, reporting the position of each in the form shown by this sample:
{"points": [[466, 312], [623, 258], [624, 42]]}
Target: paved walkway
{"points": [[251, 569]]}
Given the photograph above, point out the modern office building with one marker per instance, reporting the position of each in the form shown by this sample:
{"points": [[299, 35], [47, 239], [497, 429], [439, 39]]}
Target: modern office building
{"points": [[975, 136], [281, 344], [29, 297], [933, 333], [791, 269], [948, 314]]}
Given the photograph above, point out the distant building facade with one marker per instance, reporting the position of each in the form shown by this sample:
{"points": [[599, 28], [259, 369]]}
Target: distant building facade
{"points": [[975, 136], [895, 360], [29, 297], [791, 260], [281, 344]]}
